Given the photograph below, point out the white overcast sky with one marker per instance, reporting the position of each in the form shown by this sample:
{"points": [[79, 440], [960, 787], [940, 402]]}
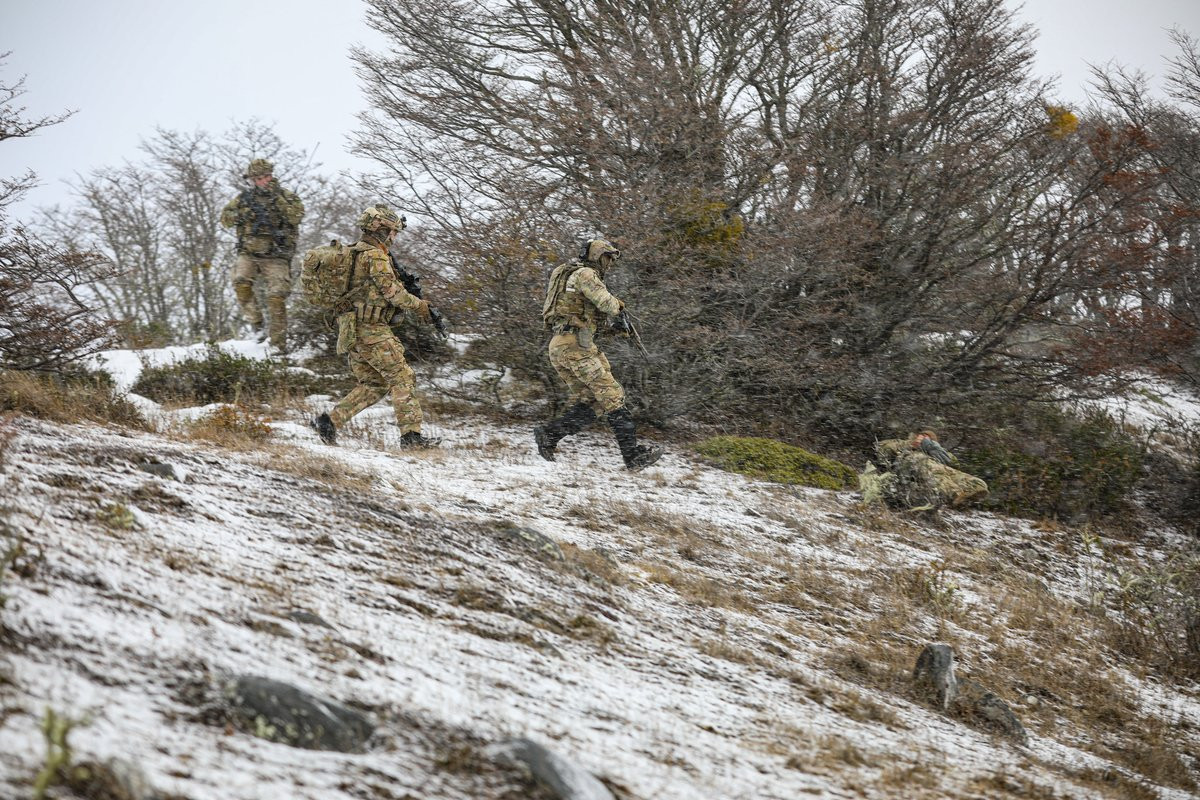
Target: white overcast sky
{"points": [[128, 66]]}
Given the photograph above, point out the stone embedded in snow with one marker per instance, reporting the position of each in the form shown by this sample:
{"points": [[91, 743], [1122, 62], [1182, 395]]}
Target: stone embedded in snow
{"points": [[114, 779], [935, 682], [977, 700], [308, 618], [282, 713], [567, 781], [934, 675], [541, 544], [167, 471]]}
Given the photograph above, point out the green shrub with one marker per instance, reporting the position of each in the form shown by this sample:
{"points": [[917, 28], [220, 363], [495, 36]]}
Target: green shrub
{"points": [[1057, 465], [776, 461], [220, 377]]}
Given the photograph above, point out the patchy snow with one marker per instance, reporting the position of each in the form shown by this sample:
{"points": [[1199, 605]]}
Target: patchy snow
{"points": [[1154, 406], [688, 646]]}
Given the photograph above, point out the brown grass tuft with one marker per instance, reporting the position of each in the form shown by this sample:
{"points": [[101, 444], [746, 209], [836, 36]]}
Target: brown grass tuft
{"points": [[235, 427], [67, 399]]}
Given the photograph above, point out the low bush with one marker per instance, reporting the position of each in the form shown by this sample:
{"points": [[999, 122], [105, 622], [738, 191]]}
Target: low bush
{"points": [[1052, 464], [232, 426], [1160, 614], [220, 377], [67, 398], [775, 461]]}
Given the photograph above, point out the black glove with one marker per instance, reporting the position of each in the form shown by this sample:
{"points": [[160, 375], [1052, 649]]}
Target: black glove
{"points": [[439, 322], [935, 451], [621, 323]]}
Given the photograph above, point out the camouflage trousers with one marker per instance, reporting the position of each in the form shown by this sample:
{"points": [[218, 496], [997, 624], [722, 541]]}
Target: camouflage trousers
{"points": [[377, 361], [586, 373], [916, 480], [277, 273]]}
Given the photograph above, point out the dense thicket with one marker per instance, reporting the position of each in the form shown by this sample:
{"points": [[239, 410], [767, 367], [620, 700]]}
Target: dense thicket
{"points": [[836, 215]]}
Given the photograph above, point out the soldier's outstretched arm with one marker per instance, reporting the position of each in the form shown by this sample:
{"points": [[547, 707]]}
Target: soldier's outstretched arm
{"points": [[380, 272]]}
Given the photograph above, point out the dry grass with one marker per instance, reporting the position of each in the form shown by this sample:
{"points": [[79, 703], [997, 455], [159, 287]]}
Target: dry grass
{"points": [[232, 427], [592, 563], [328, 471], [66, 399], [727, 651], [700, 589]]}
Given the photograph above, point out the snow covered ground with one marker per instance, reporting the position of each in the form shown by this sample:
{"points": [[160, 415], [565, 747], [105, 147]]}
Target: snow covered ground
{"points": [[694, 634]]}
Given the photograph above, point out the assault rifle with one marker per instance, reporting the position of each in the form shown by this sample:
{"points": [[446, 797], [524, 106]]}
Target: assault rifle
{"points": [[623, 324], [412, 285]]}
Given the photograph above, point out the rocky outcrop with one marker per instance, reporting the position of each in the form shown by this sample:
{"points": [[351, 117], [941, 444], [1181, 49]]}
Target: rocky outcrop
{"points": [[933, 676], [566, 780], [935, 683], [282, 713]]}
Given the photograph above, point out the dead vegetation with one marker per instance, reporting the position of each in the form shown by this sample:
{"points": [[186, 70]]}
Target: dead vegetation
{"points": [[231, 426], [332, 473], [67, 399]]}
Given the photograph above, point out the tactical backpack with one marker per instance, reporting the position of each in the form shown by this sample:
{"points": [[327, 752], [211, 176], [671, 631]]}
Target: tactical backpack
{"points": [[327, 276], [555, 291]]}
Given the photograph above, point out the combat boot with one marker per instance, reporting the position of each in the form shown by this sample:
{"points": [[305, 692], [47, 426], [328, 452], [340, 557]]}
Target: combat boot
{"points": [[413, 440], [547, 436], [325, 428], [637, 456]]}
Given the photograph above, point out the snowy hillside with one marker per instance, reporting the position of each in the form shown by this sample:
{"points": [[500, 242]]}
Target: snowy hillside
{"points": [[678, 633]]}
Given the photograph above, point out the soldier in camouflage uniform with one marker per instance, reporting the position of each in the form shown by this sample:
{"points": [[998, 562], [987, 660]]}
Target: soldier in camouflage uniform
{"points": [[267, 219], [915, 473], [365, 335], [576, 301]]}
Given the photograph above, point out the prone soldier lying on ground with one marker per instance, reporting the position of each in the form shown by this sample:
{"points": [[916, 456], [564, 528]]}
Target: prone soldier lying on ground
{"points": [[915, 473]]}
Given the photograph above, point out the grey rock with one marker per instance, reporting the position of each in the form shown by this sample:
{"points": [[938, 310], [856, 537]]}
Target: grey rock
{"points": [[283, 713], [933, 675], [539, 543], [566, 780], [167, 471], [115, 779], [976, 700]]}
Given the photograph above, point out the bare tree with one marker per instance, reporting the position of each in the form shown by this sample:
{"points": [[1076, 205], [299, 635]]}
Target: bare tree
{"points": [[46, 320], [158, 222], [835, 214]]}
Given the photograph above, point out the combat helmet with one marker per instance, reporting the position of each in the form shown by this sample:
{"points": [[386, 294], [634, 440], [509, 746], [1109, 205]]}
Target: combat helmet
{"points": [[381, 219], [259, 168], [592, 249]]}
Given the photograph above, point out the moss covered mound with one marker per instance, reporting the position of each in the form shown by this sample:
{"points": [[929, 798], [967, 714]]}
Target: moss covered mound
{"points": [[775, 461]]}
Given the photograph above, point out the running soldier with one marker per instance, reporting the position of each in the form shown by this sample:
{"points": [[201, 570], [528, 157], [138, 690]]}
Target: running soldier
{"points": [[576, 301], [365, 335]]}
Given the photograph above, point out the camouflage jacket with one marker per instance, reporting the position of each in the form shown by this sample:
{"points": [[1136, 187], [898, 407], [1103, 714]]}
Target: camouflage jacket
{"points": [[380, 293], [267, 221], [582, 300], [888, 451]]}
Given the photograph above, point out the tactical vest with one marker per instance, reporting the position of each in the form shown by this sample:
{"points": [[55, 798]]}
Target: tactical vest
{"points": [[267, 223]]}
